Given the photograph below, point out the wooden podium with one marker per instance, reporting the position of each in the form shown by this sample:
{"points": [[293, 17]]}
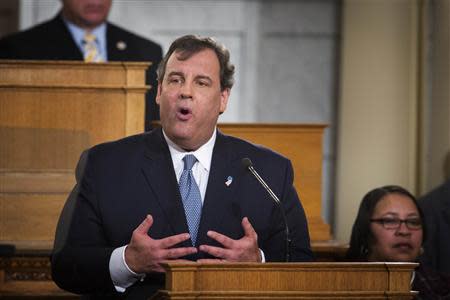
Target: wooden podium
{"points": [[287, 281]]}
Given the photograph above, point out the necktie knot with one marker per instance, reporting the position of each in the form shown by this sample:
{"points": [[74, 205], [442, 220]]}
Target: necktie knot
{"points": [[189, 161], [89, 37]]}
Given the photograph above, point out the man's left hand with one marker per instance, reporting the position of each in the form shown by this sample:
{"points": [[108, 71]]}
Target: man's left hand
{"points": [[242, 250]]}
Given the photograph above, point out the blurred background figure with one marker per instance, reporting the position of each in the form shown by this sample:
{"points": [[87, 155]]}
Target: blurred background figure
{"points": [[436, 208], [389, 227], [80, 31]]}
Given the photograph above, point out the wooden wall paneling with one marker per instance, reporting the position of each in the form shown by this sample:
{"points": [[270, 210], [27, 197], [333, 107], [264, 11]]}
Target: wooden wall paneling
{"points": [[302, 144], [50, 111]]}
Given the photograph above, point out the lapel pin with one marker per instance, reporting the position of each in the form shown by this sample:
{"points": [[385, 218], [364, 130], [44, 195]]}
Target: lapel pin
{"points": [[121, 45], [229, 181]]}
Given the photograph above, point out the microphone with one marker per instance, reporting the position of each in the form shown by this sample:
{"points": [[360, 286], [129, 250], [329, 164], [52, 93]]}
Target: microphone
{"points": [[247, 164]]}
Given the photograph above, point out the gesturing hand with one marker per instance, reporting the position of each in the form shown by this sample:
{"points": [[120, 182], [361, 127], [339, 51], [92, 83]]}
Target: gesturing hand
{"points": [[242, 250], [144, 254]]}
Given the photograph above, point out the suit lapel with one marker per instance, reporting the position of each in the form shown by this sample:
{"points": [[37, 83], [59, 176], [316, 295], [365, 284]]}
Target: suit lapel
{"points": [[160, 176], [118, 46], [113, 53], [67, 47]]}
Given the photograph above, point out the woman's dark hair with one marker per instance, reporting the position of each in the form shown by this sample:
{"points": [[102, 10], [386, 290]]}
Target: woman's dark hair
{"points": [[188, 45], [362, 237]]}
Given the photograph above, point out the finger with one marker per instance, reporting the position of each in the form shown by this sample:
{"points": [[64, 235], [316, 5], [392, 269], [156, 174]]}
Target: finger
{"points": [[174, 261], [211, 261], [222, 239], [179, 252], [172, 240], [248, 228], [182, 261], [145, 225], [160, 266], [216, 251]]}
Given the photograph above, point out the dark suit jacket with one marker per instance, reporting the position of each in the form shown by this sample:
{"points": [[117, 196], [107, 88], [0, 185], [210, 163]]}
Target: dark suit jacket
{"points": [[436, 209], [52, 40], [126, 180], [430, 284]]}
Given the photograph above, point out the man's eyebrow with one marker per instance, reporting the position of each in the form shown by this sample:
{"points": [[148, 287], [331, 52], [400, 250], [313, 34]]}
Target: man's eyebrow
{"points": [[175, 73], [204, 77]]}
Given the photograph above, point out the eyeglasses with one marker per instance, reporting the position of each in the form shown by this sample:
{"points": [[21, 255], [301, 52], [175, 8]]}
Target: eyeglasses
{"points": [[391, 223]]}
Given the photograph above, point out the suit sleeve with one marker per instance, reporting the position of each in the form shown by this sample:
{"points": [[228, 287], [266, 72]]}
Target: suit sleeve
{"points": [[6, 51], [80, 261]]}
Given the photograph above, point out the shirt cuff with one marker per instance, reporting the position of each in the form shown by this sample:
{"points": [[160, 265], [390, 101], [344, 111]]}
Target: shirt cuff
{"points": [[122, 276], [263, 258]]}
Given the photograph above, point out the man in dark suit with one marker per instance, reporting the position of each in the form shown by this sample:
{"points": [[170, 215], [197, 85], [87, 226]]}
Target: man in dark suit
{"points": [[61, 38], [436, 209], [132, 210]]}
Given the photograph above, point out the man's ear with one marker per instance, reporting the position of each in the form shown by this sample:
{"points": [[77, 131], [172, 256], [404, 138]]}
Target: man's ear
{"points": [[224, 95], [158, 93]]}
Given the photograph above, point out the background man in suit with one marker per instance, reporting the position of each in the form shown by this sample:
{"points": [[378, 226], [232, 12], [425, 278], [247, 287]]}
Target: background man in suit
{"points": [[131, 212], [436, 208], [63, 38]]}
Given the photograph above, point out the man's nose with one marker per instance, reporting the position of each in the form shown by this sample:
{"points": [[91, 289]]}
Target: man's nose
{"points": [[186, 90]]}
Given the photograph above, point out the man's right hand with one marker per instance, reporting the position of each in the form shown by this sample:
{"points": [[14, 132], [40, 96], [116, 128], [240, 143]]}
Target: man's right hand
{"points": [[145, 255]]}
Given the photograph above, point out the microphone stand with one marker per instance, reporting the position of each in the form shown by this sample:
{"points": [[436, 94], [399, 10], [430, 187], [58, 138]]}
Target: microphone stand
{"points": [[248, 164]]}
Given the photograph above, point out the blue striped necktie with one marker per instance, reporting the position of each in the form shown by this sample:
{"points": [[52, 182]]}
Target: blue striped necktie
{"points": [[190, 194]]}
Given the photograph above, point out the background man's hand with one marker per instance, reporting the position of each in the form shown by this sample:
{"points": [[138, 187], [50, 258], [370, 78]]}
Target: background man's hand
{"points": [[144, 254], [242, 250]]}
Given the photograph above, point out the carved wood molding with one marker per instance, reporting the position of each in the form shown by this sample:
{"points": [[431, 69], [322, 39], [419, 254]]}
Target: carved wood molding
{"points": [[26, 268]]}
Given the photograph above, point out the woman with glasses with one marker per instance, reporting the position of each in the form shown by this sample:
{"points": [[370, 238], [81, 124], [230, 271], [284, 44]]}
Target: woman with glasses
{"points": [[389, 227]]}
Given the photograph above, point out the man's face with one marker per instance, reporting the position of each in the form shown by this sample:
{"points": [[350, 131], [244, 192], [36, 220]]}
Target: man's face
{"points": [[86, 13], [191, 99]]}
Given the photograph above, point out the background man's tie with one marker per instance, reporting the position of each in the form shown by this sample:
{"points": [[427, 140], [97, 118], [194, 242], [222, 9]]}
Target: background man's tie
{"points": [[190, 194], [91, 53]]}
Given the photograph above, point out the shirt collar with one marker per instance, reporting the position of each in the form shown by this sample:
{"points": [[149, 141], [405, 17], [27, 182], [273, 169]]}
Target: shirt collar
{"points": [[203, 154]]}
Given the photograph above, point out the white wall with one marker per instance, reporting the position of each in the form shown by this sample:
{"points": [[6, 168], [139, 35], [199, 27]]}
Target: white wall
{"points": [[378, 126]]}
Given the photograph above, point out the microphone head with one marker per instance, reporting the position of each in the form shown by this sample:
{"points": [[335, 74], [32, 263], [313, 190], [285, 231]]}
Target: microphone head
{"points": [[246, 162]]}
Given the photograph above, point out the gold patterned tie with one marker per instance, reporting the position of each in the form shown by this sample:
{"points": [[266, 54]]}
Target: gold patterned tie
{"points": [[91, 53]]}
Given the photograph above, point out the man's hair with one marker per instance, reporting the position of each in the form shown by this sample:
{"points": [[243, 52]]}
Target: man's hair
{"points": [[362, 237], [188, 45]]}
